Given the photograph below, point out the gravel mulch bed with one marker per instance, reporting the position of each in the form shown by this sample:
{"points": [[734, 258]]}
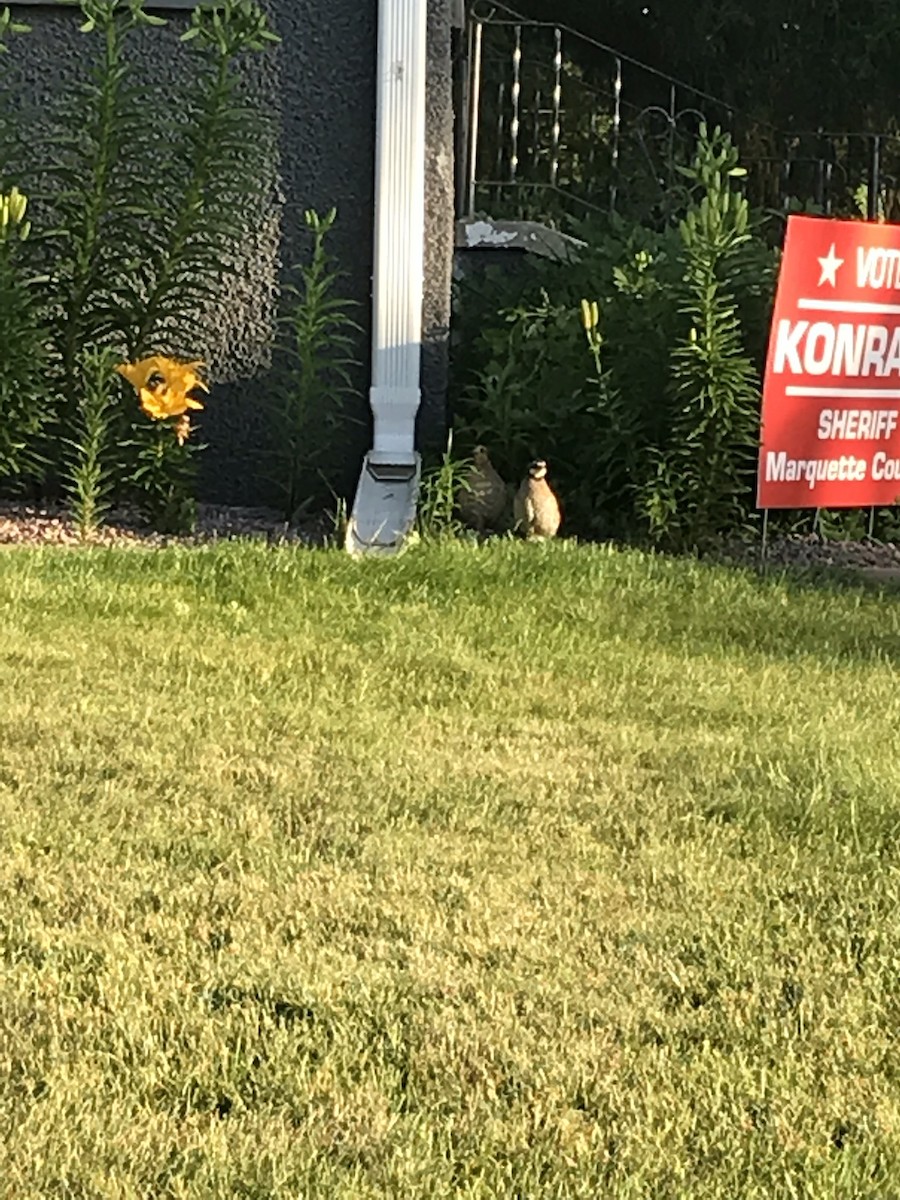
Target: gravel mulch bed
{"points": [[26, 524], [812, 552]]}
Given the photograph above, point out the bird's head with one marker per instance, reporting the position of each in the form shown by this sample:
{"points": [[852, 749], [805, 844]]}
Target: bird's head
{"points": [[480, 456], [537, 469]]}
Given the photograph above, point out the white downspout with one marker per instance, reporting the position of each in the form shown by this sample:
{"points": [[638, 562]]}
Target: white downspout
{"points": [[399, 227], [384, 509]]}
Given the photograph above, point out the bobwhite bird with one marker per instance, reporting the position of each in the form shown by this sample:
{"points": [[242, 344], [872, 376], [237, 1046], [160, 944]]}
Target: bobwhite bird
{"points": [[536, 508], [482, 495]]}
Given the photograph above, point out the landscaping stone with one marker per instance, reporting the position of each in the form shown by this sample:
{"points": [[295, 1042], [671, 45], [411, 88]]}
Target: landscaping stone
{"points": [[27, 524], [812, 552]]}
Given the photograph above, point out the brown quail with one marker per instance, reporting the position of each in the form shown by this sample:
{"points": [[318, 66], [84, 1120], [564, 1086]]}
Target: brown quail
{"points": [[536, 508], [482, 495]]}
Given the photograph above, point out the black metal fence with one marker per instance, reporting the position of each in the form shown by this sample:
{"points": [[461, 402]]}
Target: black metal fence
{"points": [[554, 122]]}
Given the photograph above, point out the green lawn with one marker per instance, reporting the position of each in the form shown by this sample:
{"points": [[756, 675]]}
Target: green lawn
{"points": [[513, 871]]}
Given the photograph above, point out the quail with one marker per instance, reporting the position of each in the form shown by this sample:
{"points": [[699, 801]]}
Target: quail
{"points": [[482, 494], [536, 508]]}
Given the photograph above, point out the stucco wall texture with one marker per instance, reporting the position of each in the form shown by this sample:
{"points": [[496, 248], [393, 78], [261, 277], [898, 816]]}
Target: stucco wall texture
{"points": [[319, 84]]}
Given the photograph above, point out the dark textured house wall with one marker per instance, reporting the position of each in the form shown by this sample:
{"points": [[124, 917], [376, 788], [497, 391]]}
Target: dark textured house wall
{"points": [[320, 82], [439, 228], [319, 85]]}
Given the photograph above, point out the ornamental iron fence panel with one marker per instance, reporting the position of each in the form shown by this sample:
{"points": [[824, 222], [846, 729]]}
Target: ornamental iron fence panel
{"points": [[554, 123]]}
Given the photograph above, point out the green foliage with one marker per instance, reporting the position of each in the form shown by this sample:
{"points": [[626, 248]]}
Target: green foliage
{"points": [[218, 169], [10, 27], [653, 432], [148, 188], [321, 343], [847, 524], [529, 361], [133, 263], [439, 490], [162, 481], [87, 473], [637, 320], [23, 401], [98, 198], [521, 377], [532, 397], [338, 523], [704, 472]]}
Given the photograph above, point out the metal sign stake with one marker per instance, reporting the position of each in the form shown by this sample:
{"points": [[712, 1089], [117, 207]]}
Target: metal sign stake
{"points": [[763, 559]]}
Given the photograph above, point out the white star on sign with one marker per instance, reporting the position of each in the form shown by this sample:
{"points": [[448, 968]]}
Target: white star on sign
{"points": [[829, 265]]}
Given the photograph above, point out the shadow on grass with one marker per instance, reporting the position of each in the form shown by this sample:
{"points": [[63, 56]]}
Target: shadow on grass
{"points": [[826, 611]]}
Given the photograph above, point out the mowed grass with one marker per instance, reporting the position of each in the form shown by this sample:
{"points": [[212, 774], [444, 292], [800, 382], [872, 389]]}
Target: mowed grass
{"points": [[512, 871]]}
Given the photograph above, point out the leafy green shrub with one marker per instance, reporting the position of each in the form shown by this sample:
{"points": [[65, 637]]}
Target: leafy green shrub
{"points": [[657, 440], [9, 29], [134, 244], [636, 321], [524, 386], [320, 343], [162, 480], [22, 355], [9, 26], [97, 202], [533, 398], [438, 493], [215, 177], [87, 474], [163, 477], [704, 474]]}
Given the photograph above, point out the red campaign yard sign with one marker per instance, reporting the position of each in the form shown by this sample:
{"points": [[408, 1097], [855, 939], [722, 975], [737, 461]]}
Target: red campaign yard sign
{"points": [[831, 396]]}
